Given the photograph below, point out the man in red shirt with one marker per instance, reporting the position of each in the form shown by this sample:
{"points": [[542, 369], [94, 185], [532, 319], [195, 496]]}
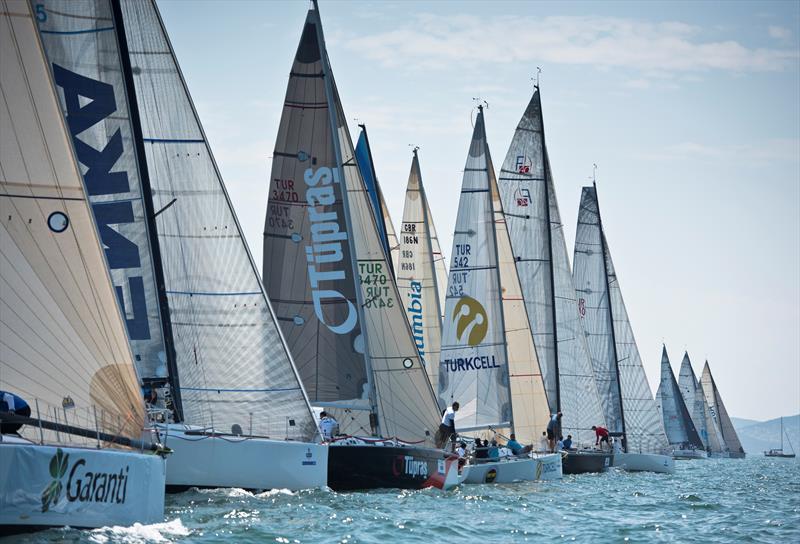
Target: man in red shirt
{"points": [[601, 435]]}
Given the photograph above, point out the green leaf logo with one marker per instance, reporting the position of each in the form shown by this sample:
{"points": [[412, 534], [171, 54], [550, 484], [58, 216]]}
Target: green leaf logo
{"points": [[58, 467]]}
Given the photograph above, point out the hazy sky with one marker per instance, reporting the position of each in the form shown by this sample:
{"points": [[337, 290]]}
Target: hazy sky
{"points": [[690, 110]]}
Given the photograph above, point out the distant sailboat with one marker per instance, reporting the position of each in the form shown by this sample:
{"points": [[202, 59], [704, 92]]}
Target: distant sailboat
{"points": [[421, 275], [698, 408], [621, 380], [681, 431], [329, 277], [540, 252], [478, 342], [200, 325], [732, 446], [779, 452], [64, 352]]}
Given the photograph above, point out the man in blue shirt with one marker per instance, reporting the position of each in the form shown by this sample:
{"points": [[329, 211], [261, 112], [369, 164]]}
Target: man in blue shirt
{"points": [[517, 448], [10, 402], [568, 442]]}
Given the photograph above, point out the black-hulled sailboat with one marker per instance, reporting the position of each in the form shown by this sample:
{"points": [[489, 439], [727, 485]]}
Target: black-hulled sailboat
{"points": [[329, 277]]}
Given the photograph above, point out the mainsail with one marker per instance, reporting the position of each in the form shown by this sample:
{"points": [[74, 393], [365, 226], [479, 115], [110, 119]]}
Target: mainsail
{"points": [[613, 348], [420, 274], [382, 218], [695, 402], [326, 270], [678, 423], [715, 441], [540, 253], [63, 345], [720, 415], [231, 367], [474, 362]]}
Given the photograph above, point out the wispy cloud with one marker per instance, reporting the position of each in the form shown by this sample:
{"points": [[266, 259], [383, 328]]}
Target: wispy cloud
{"points": [[779, 32], [438, 42]]}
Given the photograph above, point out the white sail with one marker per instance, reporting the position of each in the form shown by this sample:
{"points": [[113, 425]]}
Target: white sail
{"points": [[719, 414], [417, 275], [474, 366], [63, 344], [695, 401], [677, 422], [540, 252], [644, 431], [715, 442], [353, 347]]}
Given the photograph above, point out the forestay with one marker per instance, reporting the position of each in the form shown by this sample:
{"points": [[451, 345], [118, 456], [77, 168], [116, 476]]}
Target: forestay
{"points": [[644, 431], [419, 273], [474, 366], [354, 349], [64, 347], [678, 424], [718, 412]]}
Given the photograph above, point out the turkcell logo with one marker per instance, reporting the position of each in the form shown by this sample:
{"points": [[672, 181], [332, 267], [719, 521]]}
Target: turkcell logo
{"points": [[89, 102]]}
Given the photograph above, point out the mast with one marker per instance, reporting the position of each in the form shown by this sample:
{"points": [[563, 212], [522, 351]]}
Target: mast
{"points": [[610, 312], [150, 213], [379, 215], [329, 92], [546, 169]]}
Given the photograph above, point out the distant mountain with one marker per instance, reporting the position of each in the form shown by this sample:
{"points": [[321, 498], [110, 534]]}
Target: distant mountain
{"points": [[758, 436]]}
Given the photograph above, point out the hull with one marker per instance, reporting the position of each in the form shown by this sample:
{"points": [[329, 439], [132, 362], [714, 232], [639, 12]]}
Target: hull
{"points": [[375, 466], [581, 462], [508, 470], [50, 486], [689, 454], [736, 455], [203, 460], [781, 455], [644, 462]]}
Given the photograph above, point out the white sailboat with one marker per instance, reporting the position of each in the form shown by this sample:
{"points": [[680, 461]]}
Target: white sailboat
{"points": [[681, 431], [732, 446], [74, 455], [778, 452], [698, 407], [483, 343], [540, 252], [421, 274], [200, 325], [329, 276], [621, 381]]}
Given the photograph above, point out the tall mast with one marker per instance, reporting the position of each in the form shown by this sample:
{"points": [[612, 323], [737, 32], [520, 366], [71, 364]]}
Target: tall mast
{"points": [[610, 310], [332, 111], [150, 214], [546, 170]]}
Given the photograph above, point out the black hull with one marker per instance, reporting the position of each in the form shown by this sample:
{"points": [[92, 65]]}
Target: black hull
{"points": [[583, 462], [357, 467]]}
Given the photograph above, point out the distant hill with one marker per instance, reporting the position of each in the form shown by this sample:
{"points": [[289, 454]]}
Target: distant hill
{"points": [[758, 436]]}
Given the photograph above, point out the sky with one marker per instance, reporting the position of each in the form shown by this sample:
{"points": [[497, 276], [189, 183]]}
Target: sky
{"points": [[690, 110]]}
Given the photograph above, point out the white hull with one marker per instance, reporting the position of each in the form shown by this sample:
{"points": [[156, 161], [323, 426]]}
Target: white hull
{"points": [[513, 469], [203, 460], [644, 462], [689, 454], [81, 487]]}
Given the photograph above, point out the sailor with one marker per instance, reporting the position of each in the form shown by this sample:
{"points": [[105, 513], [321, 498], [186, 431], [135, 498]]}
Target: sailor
{"points": [[567, 444], [601, 435], [9, 402], [553, 430], [447, 428], [560, 443], [151, 398], [544, 443], [494, 451], [328, 426], [481, 450], [517, 448]]}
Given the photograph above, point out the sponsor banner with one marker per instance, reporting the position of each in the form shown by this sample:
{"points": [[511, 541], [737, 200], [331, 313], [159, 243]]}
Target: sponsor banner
{"points": [[46, 485]]}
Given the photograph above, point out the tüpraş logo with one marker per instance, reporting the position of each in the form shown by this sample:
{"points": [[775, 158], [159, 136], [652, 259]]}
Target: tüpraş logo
{"points": [[122, 254], [326, 246], [407, 465], [415, 311], [84, 485]]}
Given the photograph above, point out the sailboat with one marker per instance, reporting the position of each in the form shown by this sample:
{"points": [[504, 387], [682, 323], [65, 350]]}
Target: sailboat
{"points": [[732, 447], [779, 452], [481, 339], [203, 333], [698, 407], [621, 381], [421, 274], [329, 276], [74, 449], [681, 431], [540, 252]]}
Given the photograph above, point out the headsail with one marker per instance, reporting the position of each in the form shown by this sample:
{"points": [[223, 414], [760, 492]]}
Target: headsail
{"points": [[474, 366], [540, 252], [64, 346], [644, 431], [715, 442], [695, 402], [419, 273], [719, 414], [353, 346], [677, 423]]}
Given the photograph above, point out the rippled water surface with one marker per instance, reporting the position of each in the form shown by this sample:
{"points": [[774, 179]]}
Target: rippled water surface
{"points": [[751, 500]]}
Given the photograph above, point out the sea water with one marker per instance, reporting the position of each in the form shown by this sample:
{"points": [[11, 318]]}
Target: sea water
{"points": [[705, 501]]}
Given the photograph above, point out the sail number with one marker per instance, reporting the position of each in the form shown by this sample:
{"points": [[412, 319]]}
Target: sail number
{"points": [[373, 278], [278, 217], [283, 191]]}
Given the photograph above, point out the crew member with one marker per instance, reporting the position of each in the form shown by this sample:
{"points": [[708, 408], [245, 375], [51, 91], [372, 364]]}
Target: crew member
{"points": [[9, 402], [447, 428], [517, 448], [328, 426], [568, 442], [601, 435], [553, 430]]}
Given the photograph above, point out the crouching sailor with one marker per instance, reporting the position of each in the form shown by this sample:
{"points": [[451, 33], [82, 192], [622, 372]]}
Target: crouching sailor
{"points": [[447, 428], [328, 426], [11, 403]]}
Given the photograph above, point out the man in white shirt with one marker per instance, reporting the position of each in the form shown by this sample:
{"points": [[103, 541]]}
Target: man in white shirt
{"points": [[447, 428], [328, 426]]}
